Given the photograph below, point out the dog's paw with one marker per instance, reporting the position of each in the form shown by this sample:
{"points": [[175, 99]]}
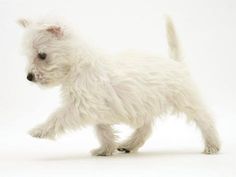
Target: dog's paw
{"points": [[211, 149], [36, 133], [123, 150], [102, 151], [126, 147], [40, 132]]}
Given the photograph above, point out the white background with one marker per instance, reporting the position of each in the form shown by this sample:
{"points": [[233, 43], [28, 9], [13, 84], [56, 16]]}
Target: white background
{"points": [[207, 31]]}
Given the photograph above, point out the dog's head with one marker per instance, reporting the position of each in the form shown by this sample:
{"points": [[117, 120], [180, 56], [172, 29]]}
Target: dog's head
{"points": [[48, 49]]}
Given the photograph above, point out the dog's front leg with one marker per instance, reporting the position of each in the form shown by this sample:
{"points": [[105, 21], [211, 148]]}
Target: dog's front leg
{"points": [[54, 126], [107, 138]]}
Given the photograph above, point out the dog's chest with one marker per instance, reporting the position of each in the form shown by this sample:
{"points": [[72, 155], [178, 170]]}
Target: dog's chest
{"points": [[87, 100]]}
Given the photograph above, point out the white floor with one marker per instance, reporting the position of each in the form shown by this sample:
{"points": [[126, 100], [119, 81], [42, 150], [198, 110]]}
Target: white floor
{"points": [[146, 163], [163, 155]]}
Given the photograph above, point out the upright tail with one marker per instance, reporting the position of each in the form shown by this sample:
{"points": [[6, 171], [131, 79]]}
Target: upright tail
{"points": [[173, 43]]}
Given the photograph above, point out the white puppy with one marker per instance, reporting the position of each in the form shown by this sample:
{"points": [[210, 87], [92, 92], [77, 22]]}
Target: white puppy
{"points": [[102, 90]]}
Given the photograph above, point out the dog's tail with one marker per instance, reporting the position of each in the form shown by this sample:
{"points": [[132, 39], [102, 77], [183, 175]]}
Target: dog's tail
{"points": [[173, 43]]}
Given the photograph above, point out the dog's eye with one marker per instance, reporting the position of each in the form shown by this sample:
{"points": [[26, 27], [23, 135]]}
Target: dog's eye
{"points": [[42, 56]]}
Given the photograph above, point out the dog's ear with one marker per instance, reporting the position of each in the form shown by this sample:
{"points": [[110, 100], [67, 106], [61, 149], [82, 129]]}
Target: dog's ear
{"points": [[55, 30], [24, 22]]}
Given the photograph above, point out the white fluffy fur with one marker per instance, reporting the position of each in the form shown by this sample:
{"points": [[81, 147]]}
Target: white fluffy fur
{"points": [[131, 88]]}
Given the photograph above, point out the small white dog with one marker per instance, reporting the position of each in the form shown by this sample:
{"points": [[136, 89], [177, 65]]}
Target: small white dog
{"points": [[130, 88]]}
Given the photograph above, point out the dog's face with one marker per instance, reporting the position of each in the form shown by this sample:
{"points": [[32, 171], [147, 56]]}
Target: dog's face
{"points": [[48, 49]]}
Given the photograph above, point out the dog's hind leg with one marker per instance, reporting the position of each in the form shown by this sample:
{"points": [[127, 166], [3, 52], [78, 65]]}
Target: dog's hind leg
{"points": [[137, 139], [107, 138], [204, 121], [190, 103]]}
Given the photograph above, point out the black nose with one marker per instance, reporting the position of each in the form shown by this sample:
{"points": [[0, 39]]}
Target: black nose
{"points": [[30, 77]]}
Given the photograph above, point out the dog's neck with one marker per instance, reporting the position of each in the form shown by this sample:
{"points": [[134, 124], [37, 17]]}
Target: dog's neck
{"points": [[87, 63]]}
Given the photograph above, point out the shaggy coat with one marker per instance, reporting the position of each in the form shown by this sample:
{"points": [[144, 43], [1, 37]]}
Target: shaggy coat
{"points": [[132, 88]]}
